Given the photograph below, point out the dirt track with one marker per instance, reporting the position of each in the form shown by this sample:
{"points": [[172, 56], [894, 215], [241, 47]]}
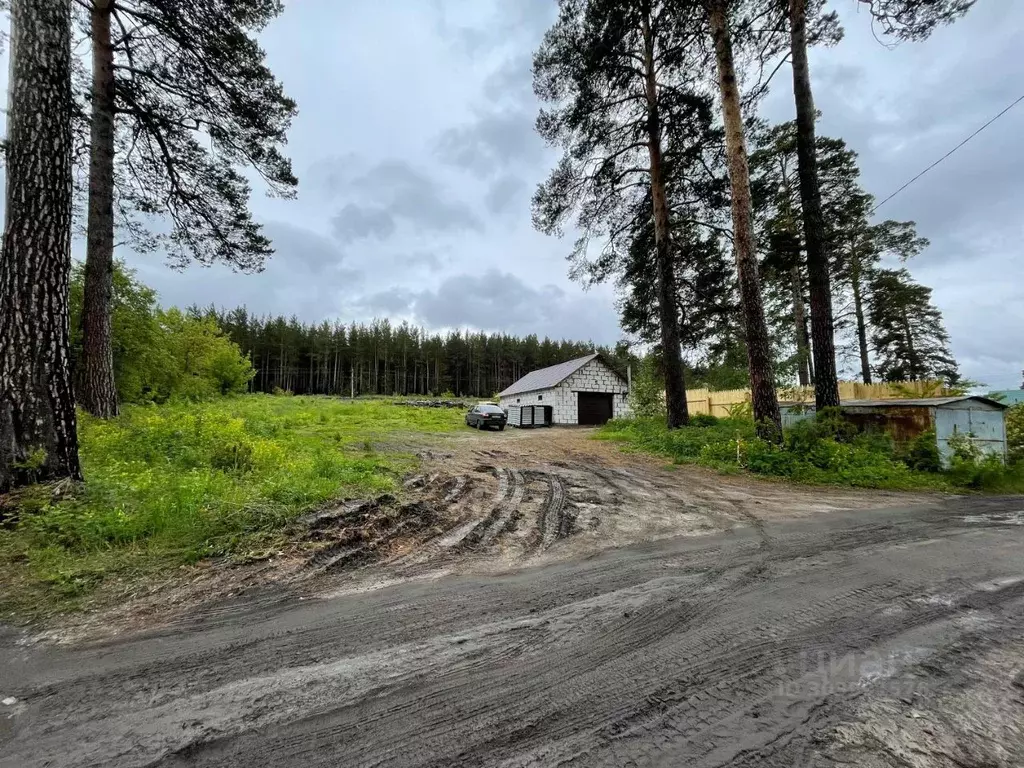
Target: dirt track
{"points": [[782, 635]]}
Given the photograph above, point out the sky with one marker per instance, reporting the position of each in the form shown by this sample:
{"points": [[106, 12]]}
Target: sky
{"points": [[417, 157]]}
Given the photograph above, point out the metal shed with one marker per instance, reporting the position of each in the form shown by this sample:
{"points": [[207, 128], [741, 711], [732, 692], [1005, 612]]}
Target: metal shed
{"points": [[980, 417]]}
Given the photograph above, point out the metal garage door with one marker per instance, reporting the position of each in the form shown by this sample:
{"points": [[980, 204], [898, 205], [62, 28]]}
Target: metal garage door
{"points": [[594, 407]]}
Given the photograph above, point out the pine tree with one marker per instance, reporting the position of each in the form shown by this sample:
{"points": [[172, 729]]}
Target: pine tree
{"points": [[38, 433], [908, 334], [915, 19], [826, 379], [180, 97], [607, 69], [762, 369]]}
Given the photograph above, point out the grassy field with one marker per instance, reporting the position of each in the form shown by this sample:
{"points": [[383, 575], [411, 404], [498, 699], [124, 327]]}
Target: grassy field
{"points": [[814, 452], [171, 484]]}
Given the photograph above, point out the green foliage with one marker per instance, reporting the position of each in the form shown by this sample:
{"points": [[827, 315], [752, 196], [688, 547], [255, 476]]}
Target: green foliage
{"points": [[971, 467], [647, 393], [823, 450], [922, 453], [196, 103], [205, 363], [985, 472], [704, 420], [178, 482], [963, 448], [1015, 433], [744, 410], [907, 330], [161, 355]]}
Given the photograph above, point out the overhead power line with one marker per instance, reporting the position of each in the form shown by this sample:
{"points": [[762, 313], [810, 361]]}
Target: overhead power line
{"points": [[948, 154]]}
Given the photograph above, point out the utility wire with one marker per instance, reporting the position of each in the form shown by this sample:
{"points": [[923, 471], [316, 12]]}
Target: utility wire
{"points": [[954, 149]]}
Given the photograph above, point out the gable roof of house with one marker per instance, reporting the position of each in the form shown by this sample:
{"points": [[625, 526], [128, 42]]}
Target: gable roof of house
{"points": [[546, 378]]}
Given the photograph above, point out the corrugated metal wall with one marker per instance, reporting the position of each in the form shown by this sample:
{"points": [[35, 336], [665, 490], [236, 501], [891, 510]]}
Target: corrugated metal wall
{"points": [[985, 424]]}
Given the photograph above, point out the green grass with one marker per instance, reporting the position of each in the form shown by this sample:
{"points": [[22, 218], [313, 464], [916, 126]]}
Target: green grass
{"points": [[172, 484], [813, 452]]}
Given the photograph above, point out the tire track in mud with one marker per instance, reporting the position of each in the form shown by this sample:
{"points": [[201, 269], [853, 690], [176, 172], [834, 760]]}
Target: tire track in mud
{"points": [[505, 509], [552, 520]]}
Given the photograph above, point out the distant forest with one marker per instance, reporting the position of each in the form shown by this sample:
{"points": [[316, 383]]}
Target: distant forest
{"points": [[382, 358]]}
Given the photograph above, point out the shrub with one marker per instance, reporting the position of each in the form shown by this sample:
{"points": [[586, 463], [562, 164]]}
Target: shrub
{"points": [[162, 355], [703, 420], [1015, 434], [647, 392], [922, 453], [232, 456], [830, 422], [744, 410], [963, 448]]}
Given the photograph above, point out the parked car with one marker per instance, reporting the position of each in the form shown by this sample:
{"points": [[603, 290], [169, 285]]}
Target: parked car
{"points": [[486, 415]]}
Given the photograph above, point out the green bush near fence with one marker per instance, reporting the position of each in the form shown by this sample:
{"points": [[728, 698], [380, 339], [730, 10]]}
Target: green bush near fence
{"points": [[825, 450]]}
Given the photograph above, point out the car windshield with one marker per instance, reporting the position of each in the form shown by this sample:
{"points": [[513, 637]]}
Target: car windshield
{"points": [[490, 409]]}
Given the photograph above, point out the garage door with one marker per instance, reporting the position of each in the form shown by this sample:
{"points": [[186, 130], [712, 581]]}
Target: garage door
{"points": [[595, 407]]}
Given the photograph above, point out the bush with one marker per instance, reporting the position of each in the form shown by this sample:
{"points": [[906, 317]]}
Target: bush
{"points": [[647, 392], [922, 453], [703, 420], [162, 355], [830, 422], [1015, 433]]}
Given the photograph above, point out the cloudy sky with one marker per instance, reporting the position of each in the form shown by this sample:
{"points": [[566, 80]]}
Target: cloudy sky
{"points": [[417, 158]]}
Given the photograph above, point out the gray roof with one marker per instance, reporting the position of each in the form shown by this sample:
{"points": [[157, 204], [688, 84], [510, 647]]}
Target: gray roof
{"points": [[930, 402], [546, 378]]}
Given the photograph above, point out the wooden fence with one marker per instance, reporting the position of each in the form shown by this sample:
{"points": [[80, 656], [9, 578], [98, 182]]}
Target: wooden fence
{"points": [[721, 403]]}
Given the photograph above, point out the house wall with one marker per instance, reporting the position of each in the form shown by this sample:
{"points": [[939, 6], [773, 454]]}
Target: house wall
{"points": [[595, 376]]}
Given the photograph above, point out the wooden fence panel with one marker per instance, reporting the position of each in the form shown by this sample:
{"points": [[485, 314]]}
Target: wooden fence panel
{"points": [[719, 403]]}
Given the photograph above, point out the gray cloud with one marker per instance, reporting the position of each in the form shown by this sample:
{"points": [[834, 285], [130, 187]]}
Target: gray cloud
{"points": [[493, 141], [394, 302], [493, 300], [307, 276], [420, 260], [505, 192], [395, 193], [356, 223], [512, 80]]}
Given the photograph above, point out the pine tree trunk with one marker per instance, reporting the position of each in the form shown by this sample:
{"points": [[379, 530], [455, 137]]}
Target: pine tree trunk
{"points": [[826, 382], [762, 374], [98, 390], [38, 433], [803, 352], [677, 411], [858, 310]]}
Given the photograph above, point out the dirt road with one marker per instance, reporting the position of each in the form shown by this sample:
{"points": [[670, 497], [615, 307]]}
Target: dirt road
{"points": [[891, 636]]}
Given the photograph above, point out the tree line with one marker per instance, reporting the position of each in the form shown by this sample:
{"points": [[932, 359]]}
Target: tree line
{"points": [[644, 99], [385, 358]]}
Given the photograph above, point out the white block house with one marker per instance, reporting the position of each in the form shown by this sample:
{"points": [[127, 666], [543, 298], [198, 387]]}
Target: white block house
{"points": [[582, 391]]}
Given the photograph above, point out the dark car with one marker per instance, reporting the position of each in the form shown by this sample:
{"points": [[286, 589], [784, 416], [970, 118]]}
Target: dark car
{"points": [[481, 416]]}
